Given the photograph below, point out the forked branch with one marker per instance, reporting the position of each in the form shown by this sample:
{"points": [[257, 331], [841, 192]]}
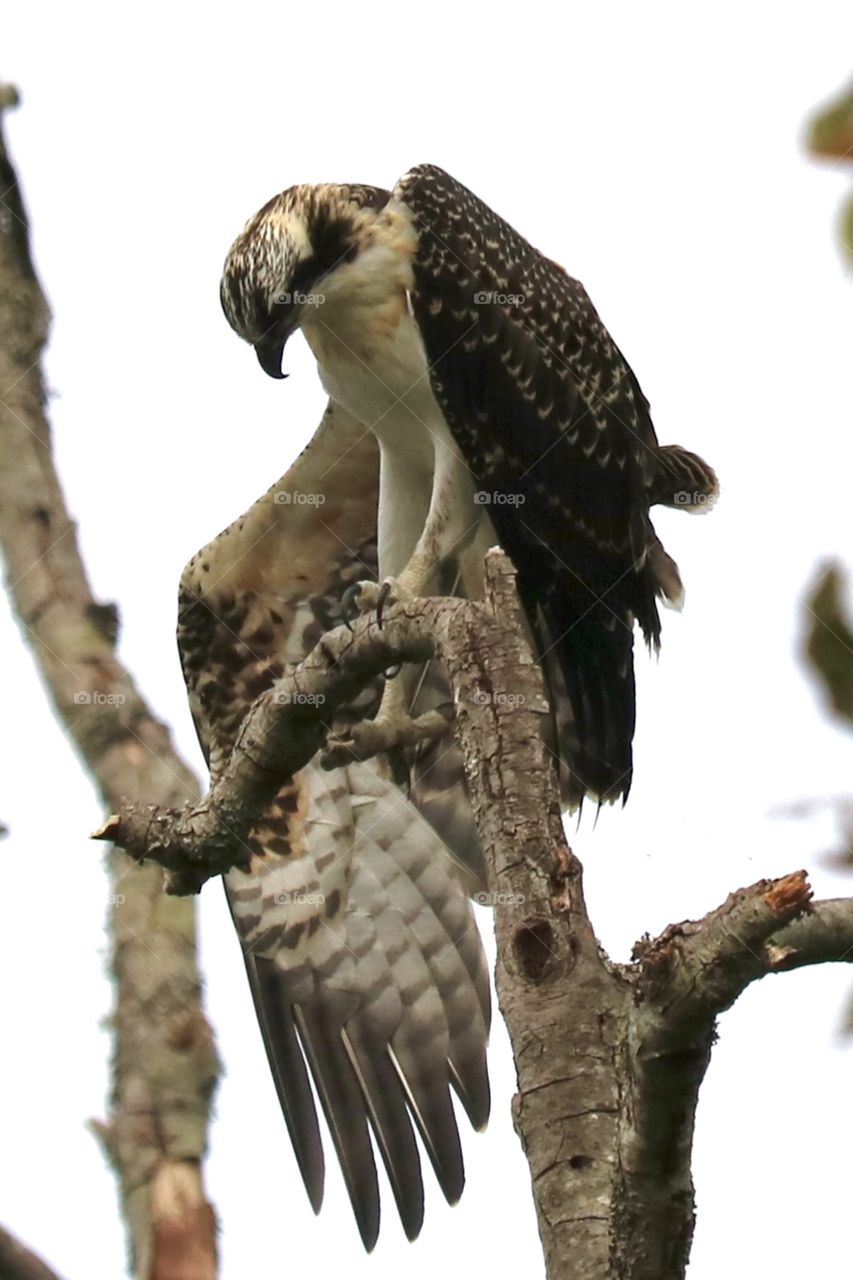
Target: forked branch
{"points": [[609, 1057]]}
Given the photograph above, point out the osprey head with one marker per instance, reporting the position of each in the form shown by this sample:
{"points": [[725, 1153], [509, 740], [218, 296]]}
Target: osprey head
{"points": [[274, 268]]}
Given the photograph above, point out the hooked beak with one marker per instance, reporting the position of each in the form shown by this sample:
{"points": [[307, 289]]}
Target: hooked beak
{"points": [[270, 348], [269, 355]]}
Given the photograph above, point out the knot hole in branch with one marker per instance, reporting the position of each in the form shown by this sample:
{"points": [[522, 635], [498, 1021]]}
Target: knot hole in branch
{"points": [[535, 948]]}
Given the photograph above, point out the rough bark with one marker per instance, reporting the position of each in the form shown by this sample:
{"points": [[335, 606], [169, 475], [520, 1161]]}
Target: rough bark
{"points": [[165, 1066]]}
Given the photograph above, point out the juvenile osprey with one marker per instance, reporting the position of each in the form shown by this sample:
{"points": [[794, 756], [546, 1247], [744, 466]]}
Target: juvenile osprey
{"points": [[503, 411]]}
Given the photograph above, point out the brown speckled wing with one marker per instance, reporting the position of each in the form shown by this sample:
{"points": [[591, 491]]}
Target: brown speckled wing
{"points": [[363, 957]]}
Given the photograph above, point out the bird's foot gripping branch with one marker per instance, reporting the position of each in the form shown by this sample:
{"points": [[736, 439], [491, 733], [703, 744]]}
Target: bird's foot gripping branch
{"points": [[283, 730]]}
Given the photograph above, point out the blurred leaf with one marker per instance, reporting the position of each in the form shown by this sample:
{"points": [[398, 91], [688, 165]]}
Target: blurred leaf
{"points": [[829, 640], [830, 136], [847, 1023], [830, 132], [845, 230]]}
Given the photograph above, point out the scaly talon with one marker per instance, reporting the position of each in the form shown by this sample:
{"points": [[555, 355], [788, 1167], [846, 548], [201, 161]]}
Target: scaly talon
{"points": [[384, 592], [358, 599], [367, 597]]}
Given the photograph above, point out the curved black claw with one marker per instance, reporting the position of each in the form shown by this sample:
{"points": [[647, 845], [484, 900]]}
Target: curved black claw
{"points": [[349, 604], [384, 593]]}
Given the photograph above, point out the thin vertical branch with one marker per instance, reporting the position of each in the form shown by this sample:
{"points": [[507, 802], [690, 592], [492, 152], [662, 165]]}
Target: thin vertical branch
{"points": [[165, 1066], [17, 1262]]}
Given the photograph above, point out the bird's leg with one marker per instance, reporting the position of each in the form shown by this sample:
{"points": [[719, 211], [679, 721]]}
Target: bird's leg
{"points": [[452, 521]]}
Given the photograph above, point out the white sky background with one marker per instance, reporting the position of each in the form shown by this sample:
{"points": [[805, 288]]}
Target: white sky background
{"points": [[655, 150]]}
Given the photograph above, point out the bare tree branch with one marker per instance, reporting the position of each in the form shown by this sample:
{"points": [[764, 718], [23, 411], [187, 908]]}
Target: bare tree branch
{"points": [[283, 730], [16, 1261], [696, 970], [822, 935], [165, 1067]]}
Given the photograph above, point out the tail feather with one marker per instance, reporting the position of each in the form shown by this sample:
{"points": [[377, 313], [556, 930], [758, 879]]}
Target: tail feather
{"points": [[669, 586], [683, 480], [594, 723]]}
